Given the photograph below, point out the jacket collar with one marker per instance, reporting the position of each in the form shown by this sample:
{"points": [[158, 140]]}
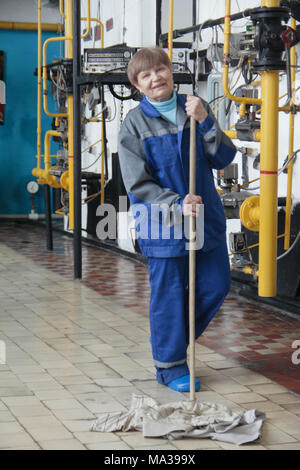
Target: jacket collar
{"points": [[151, 111]]}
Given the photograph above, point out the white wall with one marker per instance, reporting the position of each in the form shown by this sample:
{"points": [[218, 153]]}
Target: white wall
{"points": [[26, 11]]}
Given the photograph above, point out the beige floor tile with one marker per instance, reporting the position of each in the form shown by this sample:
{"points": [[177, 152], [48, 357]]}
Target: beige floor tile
{"points": [[62, 444], [135, 439], [285, 421], [195, 444], [58, 432], [292, 446], [60, 394], [78, 425], [89, 437], [267, 389], [21, 401], [251, 446], [15, 440], [10, 428], [6, 417], [223, 385], [74, 380], [247, 397], [285, 398], [264, 406], [83, 413], [30, 411], [108, 446], [62, 404], [273, 435], [100, 402]]}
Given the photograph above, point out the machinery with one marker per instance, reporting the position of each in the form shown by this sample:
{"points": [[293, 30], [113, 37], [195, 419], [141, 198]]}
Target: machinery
{"points": [[91, 90]]}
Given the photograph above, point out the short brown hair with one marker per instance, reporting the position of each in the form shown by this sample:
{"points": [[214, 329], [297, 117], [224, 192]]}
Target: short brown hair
{"points": [[144, 59]]}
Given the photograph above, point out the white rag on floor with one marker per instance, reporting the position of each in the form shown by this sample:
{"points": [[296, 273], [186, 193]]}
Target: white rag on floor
{"points": [[184, 419]]}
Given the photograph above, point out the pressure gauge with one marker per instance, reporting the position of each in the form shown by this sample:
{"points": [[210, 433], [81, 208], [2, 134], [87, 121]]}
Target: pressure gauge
{"points": [[32, 187]]}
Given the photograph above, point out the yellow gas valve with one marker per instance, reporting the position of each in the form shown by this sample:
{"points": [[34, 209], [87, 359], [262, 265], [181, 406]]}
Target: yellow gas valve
{"points": [[249, 213]]}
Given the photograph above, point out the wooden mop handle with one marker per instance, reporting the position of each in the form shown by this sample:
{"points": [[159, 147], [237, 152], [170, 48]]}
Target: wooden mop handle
{"points": [[192, 260]]}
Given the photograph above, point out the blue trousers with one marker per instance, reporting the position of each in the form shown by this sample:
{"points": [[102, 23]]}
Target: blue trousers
{"points": [[169, 316]]}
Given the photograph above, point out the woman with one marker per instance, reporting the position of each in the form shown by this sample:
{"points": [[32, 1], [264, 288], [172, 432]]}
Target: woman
{"points": [[154, 160]]}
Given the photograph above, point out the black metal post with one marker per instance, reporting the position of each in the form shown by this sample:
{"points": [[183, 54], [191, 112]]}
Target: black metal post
{"points": [[49, 234], [104, 137], [158, 21], [178, 33], [77, 141]]}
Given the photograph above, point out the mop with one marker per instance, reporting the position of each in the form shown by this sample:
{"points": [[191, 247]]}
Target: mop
{"points": [[188, 418]]}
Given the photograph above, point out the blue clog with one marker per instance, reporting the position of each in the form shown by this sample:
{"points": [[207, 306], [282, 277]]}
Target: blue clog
{"points": [[182, 384]]}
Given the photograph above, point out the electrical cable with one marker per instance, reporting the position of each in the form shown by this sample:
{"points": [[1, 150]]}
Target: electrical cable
{"points": [[290, 248]]}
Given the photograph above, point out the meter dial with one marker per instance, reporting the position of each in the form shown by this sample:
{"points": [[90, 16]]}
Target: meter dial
{"points": [[32, 187]]}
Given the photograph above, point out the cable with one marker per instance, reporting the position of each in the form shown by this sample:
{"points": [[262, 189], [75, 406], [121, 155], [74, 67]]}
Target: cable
{"points": [[290, 248], [99, 156]]}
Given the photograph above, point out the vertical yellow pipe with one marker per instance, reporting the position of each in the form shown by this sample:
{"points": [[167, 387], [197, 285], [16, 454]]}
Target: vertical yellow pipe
{"points": [[70, 103], [39, 87], [268, 184], [170, 33], [287, 229]]}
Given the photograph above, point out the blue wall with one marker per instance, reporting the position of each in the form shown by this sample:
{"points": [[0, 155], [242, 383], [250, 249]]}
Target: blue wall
{"points": [[18, 136]]}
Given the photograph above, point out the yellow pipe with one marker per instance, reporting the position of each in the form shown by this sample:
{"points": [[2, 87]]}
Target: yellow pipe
{"points": [[70, 103], [39, 87], [15, 25], [232, 134], [44, 173], [291, 150], [61, 8], [47, 157], [226, 90], [170, 33], [45, 91], [88, 19], [268, 184]]}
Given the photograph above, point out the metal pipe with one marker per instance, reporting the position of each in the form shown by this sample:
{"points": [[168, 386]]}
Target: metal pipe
{"points": [[170, 34], [177, 33], [15, 25], [48, 219], [192, 261], [45, 90], [88, 19], [226, 55], [70, 105], [39, 85], [290, 166], [75, 180], [268, 179], [268, 184]]}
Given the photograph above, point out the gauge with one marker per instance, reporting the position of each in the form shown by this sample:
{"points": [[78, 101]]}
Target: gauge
{"points": [[32, 187]]}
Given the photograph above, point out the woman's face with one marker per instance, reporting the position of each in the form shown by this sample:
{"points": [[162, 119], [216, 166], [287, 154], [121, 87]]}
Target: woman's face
{"points": [[156, 82]]}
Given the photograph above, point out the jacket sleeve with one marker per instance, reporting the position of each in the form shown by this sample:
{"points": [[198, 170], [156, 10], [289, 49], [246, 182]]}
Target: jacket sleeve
{"points": [[137, 177], [218, 147]]}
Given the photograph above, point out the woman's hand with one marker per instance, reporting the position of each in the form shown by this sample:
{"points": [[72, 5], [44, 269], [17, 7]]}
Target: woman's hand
{"points": [[190, 205], [194, 108]]}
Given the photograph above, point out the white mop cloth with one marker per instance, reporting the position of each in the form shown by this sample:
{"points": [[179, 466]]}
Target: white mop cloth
{"points": [[184, 419]]}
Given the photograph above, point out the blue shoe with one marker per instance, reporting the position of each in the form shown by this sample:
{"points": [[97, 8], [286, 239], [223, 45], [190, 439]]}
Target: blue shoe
{"points": [[182, 384]]}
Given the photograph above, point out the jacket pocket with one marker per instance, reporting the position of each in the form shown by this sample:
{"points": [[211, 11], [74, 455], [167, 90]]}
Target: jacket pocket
{"points": [[161, 151]]}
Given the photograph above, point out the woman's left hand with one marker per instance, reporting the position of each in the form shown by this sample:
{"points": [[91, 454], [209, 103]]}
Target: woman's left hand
{"points": [[194, 108]]}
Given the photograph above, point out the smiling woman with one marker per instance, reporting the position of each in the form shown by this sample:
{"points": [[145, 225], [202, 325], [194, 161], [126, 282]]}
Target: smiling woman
{"points": [[154, 159]]}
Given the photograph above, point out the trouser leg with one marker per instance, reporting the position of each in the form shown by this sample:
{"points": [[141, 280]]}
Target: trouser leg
{"points": [[168, 281], [169, 316]]}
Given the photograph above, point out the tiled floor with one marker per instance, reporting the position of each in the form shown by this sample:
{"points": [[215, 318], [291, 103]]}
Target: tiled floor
{"points": [[77, 349]]}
